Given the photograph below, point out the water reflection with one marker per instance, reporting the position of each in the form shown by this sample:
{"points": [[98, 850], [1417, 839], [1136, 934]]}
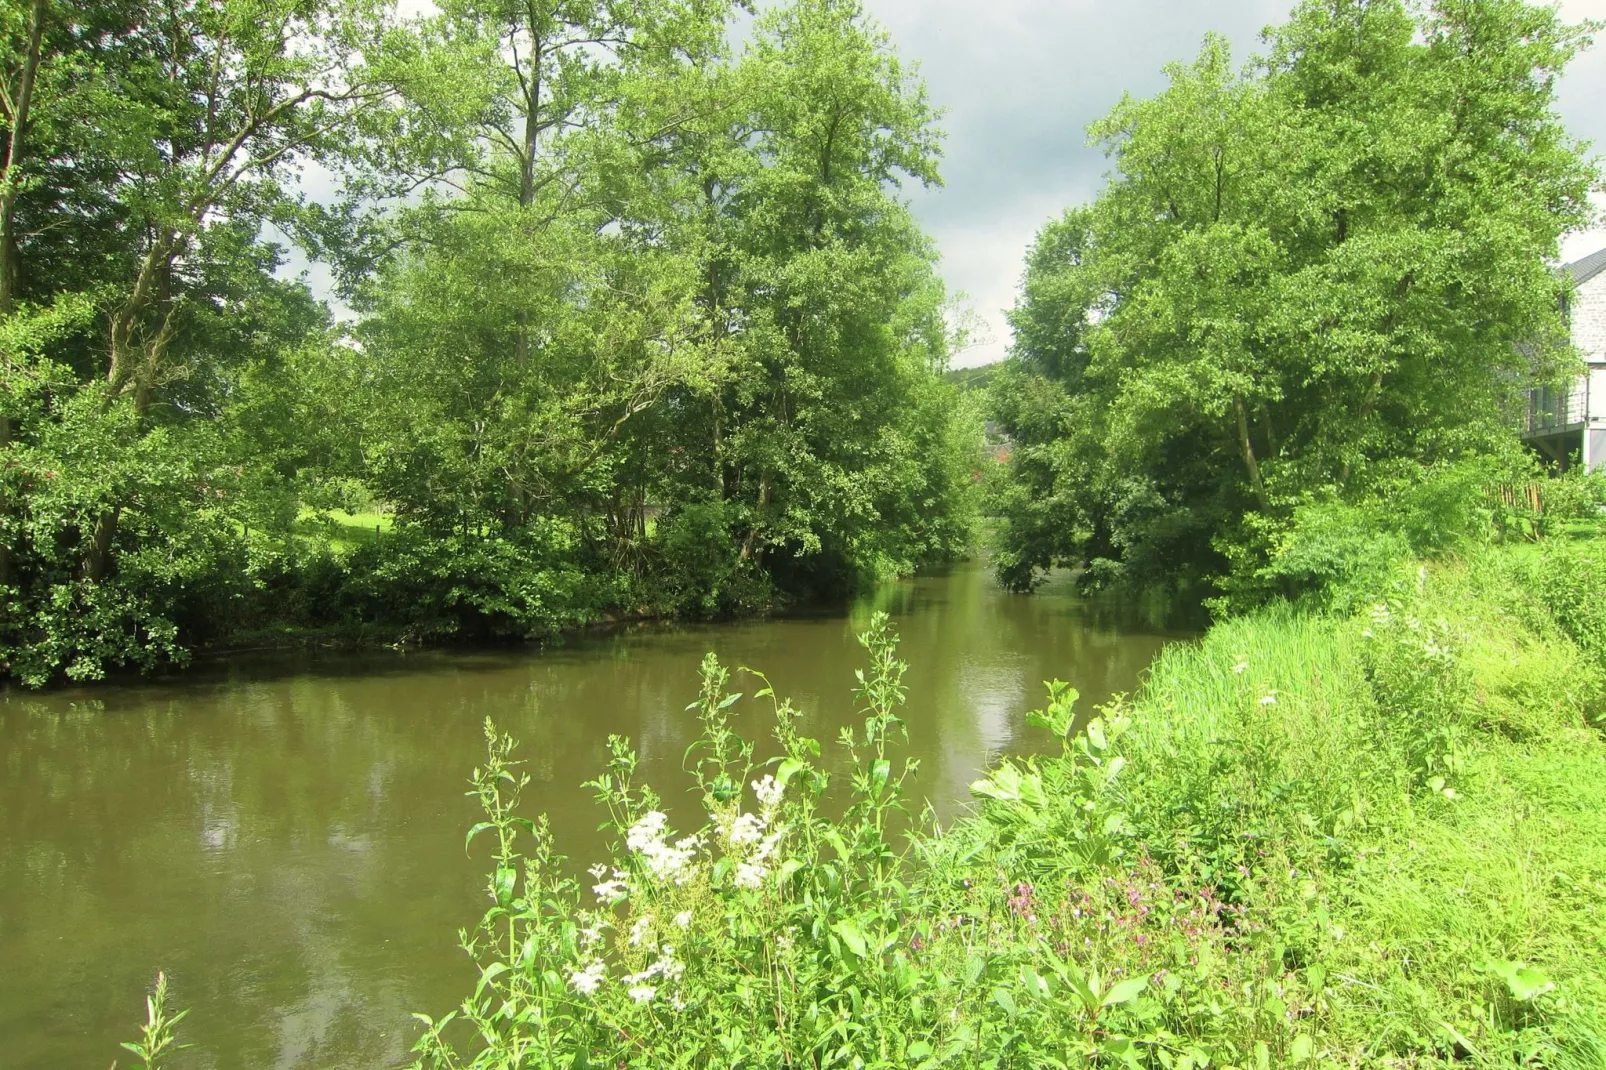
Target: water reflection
{"points": [[284, 835]]}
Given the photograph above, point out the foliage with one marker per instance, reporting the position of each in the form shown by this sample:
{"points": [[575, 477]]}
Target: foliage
{"points": [[1293, 290], [1369, 838], [157, 1040], [1313, 838], [642, 323], [1571, 580]]}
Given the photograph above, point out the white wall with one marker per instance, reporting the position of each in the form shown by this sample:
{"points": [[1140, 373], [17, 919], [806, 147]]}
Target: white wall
{"points": [[1589, 318]]}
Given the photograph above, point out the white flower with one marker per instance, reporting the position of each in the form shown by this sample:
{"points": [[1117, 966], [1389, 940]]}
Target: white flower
{"points": [[748, 828], [768, 792], [683, 919], [767, 846], [1241, 668], [1268, 700], [668, 967], [665, 863], [649, 830], [611, 891], [638, 931], [591, 935], [643, 993], [588, 980], [751, 874]]}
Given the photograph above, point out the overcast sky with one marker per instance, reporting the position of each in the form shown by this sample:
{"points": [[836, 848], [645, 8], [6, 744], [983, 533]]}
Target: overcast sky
{"points": [[1021, 80]]}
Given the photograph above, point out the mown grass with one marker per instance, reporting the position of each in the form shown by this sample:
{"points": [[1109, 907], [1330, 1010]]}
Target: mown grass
{"points": [[342, 531]]}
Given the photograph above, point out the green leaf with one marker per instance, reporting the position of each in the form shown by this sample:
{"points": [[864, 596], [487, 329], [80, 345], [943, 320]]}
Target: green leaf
{"points": [[852, 936], [475, 831], [1002, 997], [1524, 982], [880, 772], [502, 884], [1125, 992], [787, 770]]}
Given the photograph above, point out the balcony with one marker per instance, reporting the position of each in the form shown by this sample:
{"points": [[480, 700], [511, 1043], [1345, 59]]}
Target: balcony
{"points": [[1555, 412]]}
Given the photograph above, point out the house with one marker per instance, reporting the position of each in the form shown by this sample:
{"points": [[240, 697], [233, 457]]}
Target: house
{"points": [[1571, 423]]}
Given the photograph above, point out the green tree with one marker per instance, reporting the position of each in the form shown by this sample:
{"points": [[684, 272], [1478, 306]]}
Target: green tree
{"points": [[148, 147], [1306, 281]]}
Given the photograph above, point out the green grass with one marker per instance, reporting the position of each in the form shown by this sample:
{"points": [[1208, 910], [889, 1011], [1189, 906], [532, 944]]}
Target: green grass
{"points": [[343, 531]]}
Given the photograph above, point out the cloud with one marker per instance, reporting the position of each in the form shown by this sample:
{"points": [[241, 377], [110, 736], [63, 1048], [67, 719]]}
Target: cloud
{"points": [[1021, 80]]}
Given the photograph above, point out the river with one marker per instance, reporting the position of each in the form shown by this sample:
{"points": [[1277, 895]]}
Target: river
{"points": [[284, 835]]}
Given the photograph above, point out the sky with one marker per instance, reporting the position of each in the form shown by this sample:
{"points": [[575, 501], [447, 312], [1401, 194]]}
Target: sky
{"points": [[1021, 80]]}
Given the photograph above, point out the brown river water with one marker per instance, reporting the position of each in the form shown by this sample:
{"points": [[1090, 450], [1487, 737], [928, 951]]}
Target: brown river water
{"points": [[284, 835]]}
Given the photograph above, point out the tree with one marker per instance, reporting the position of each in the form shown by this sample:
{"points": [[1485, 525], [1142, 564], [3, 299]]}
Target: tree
{"points": [[1304, 277]]}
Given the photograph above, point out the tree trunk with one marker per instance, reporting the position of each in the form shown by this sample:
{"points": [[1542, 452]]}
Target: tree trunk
{"points": [[1249, 453], [1367, 404], [751, 551], [10, 254], [5, 503], [98, 558], [10, 265]]}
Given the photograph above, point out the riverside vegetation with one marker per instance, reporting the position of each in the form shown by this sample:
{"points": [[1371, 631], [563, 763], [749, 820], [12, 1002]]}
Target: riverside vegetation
{"points": [[636, 322], [1369, 832], [1362, 823]]}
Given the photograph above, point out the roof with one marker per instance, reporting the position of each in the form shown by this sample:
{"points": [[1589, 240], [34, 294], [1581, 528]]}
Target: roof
{"points": [[1587, 268]]}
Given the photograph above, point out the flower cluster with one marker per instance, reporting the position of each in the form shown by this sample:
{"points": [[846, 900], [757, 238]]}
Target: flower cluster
{"points": [[613, 890], [667, 863], [665, 968], [587, 980], [750, 840]]}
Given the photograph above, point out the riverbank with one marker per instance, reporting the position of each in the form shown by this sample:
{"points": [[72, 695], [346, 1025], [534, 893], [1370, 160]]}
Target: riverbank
{"points": [[1374, 838], [1370, 837]]}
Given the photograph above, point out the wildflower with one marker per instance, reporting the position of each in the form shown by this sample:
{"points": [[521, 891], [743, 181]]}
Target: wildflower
{"points": [[1268, 700], [748, 828], [751, 874], [611, 891], [638, 931], [643, 993], [768, 792], [1241, 667], [683, 919], [588, 980], [665, 862], [668, 967], [647, 831], [767, 846]]}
